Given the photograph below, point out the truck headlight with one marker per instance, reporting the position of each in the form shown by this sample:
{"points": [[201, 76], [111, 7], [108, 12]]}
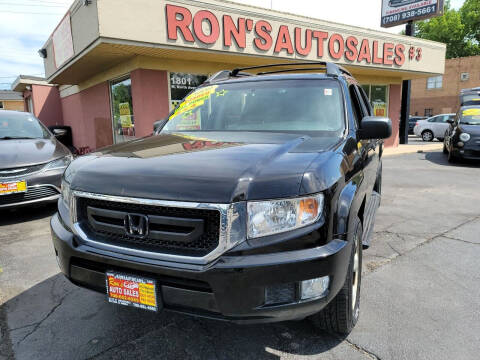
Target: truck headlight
{"points": [[276, 216], [464, 137], [61, 163], [66, 193]]}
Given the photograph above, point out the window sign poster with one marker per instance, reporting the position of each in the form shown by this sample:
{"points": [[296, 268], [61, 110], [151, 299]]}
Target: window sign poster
{"points": [[62, 41], [397, 12], [125, 116], [181, 84]]}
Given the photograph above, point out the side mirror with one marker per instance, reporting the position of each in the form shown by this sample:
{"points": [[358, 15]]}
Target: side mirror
{"points": [[59, 132], [450, 121], [375, 127], [158, 125]]}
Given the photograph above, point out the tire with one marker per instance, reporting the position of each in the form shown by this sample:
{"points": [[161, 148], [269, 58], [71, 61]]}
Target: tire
{"points": [[427, 135], [342, 312], [451, 158]]}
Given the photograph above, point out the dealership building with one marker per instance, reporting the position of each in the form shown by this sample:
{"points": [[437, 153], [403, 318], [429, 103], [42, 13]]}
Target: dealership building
{"points": [[119, 66]]}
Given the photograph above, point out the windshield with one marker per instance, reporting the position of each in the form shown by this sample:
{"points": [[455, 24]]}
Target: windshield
{"points": [[280, 105], [470, 99], [470, 116], [21, 126]]}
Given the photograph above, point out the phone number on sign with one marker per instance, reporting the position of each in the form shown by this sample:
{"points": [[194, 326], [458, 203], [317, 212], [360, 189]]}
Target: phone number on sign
{"points": [[424, 11]]}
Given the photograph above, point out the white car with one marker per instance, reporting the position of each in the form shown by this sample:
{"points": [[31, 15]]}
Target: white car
{"points": [[434, 127]]}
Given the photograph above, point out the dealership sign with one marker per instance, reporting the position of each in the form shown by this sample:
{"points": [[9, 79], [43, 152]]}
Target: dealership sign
{"points": [[396, 12], [207, 29]]}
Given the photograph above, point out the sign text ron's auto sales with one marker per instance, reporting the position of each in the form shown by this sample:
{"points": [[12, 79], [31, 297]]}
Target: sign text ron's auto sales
{"points": [[203, 28], [396, 12]]}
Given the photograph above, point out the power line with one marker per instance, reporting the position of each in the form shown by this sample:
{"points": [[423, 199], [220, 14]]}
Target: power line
{"points": [[39, 2], [41, 5], [15, 76], [28, 13]]}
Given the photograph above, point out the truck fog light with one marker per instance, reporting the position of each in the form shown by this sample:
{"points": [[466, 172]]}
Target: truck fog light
{"points": [[460, 144], [314, 288]]}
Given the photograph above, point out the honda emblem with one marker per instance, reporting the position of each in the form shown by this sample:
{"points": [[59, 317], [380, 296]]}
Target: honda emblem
{"points": [[136, 225]]}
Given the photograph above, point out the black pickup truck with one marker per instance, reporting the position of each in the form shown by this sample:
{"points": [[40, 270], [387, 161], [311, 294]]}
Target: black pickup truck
{"points": [[251, 204]]}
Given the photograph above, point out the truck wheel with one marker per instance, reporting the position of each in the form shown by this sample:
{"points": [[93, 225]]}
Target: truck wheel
{"points": [[427, 135], [341, 314]]}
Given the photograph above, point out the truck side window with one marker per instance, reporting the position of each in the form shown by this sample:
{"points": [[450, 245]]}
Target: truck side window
{"points": [[357, 107], [364, 96]]}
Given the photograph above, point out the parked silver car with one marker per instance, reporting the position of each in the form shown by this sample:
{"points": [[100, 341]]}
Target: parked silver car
{"points": [[32, 161], [434, 127]]}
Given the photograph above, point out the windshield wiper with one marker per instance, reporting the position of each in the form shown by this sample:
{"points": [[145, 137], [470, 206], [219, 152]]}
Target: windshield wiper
{"points": [[15, 137]]}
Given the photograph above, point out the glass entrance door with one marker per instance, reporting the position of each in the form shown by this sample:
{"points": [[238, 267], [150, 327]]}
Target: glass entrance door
{"points": [[122, 110]]}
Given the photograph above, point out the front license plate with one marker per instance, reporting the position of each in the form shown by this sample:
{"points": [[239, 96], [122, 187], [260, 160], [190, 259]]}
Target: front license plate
{"points": [[131, 290], [13, 187]]}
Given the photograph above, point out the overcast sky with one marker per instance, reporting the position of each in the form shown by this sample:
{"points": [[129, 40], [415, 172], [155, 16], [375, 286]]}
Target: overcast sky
{"points": [[25, 25]]}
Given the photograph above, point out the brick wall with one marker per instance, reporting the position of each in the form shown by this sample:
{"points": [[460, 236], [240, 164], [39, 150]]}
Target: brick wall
{"points": [[446, 99]]}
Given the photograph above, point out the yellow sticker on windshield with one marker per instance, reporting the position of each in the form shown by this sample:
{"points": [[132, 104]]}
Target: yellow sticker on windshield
{"points": [[194, 100], [471, 112]]}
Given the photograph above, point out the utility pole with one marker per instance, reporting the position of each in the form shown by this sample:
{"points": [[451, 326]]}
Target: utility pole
{"points": [[405, 110]]}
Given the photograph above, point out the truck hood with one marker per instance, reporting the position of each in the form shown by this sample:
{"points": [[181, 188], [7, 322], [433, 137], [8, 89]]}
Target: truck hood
{"points": [[205, 167], [25, 152]]}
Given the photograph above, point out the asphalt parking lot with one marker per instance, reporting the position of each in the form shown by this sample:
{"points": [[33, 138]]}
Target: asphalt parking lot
{"points": [[419, 293]]}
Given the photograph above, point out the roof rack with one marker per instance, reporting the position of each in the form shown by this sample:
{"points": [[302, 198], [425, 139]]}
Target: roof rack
{"points": [[470, 90], [223, 75], [331, 68]]}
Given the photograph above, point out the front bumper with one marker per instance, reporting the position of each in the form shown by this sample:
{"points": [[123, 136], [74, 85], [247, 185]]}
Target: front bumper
{"points": [[470, 152], [42, 187], [230, 288]]}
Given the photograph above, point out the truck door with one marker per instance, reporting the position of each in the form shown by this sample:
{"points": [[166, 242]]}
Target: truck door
{"points": [[367, 149], [372, 146]]}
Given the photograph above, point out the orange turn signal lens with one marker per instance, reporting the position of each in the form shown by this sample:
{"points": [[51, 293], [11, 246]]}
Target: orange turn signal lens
{"points": [[308, 209]]}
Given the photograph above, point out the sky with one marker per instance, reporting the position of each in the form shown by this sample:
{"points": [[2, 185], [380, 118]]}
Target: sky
{"points": [[25, 26]]}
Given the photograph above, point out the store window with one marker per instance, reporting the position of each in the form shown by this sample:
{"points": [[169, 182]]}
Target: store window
{"points": [[1, 104], [122, 110], [378, 95], [464, 76], [428, 112], [434, 82], [181, 84]]}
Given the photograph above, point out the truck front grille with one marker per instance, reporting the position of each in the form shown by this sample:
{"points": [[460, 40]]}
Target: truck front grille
{"points": [[171, 230]]}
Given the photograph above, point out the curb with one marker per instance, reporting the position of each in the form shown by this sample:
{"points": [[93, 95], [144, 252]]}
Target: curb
{"points": [[423, 149]]}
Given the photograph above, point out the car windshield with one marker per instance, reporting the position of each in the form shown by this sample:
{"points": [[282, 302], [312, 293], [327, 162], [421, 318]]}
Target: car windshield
{"points": [[21, 126], [470, 99], [313, 106], [470, 116]]}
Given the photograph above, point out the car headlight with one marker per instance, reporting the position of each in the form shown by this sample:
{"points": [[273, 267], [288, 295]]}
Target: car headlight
{"points": [[276, 216], [66, 193], [464, 137], [61, 163]]}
